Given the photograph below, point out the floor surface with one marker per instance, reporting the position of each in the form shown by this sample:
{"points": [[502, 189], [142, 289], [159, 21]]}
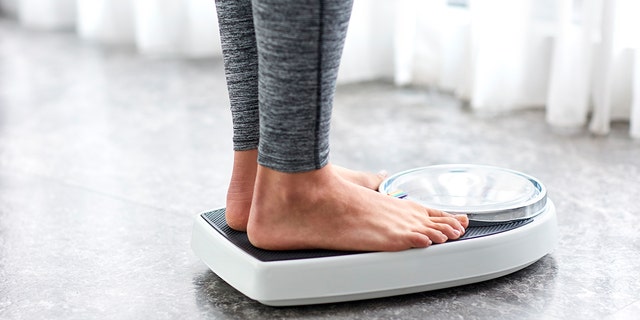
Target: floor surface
{"points": [[106, 157]]}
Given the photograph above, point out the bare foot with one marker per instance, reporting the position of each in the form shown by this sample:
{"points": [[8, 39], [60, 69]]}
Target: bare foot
{"points": [[320, 209], [243, 176], [240, 190]]}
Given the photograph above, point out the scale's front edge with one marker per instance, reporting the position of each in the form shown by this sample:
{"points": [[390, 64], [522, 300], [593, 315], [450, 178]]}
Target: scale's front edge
{"points": [[377, 274]]}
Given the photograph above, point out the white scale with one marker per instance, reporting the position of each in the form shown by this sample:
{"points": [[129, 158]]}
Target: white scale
{"points": [[513, 225]]}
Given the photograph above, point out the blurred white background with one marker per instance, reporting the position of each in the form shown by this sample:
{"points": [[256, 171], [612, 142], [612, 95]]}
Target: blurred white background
{"points": [[575, 58]]}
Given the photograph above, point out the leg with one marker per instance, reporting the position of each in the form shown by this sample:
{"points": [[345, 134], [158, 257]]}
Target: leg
{"points": [[235, 18], [299, 48], [239, 50], [300, 200]]}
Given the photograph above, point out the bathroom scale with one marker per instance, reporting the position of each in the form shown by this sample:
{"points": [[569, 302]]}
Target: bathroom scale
{"points": [[512, 225]]}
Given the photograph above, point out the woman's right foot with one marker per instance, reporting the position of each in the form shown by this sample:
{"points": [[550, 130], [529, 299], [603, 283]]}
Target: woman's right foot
{"points": [[322, 210]]}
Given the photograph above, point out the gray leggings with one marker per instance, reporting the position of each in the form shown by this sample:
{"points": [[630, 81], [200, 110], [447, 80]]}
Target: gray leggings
{"points": [[281, 61]]}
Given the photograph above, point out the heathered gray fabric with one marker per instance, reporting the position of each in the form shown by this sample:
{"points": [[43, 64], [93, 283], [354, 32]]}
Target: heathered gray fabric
{"points": [[235, 19], [299, 45]]}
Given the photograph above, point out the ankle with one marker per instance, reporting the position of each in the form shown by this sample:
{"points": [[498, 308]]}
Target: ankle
{"points": [[291, 187]]}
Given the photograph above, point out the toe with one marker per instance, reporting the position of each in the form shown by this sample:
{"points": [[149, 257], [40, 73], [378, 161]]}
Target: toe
{"points": [[436, 235], [419, 240]]}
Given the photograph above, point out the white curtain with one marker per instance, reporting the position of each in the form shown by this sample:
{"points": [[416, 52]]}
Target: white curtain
{"points": [[155, 27], [579, 59]]}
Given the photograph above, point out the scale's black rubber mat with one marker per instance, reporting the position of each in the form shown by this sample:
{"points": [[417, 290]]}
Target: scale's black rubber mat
{"points": [[216, 219]]}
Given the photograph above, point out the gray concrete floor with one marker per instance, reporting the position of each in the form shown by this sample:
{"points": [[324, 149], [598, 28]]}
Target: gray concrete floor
{"points": [[106, 157]]}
